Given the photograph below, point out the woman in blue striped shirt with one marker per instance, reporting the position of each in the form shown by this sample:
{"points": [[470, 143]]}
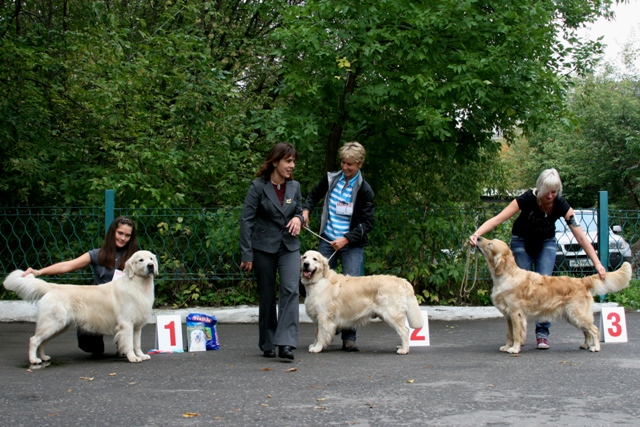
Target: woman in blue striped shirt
{"points": [[347, 218]]}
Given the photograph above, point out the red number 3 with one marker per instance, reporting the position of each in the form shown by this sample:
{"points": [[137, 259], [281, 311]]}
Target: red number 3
{"points": [[615, 329]]}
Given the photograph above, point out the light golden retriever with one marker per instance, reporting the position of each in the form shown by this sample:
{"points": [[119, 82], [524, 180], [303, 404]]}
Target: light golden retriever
{"points": [[520, 294], [120, 308], [335, 301]]}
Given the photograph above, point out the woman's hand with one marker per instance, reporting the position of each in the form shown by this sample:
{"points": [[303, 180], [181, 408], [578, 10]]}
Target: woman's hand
{"points": [[601, 271], [305, 215], [339, 243], [31, 271], [294, 226], [473, 239], [246, 265]]}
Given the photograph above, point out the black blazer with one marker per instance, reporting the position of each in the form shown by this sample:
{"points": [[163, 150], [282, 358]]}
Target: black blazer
{"points": [[264, 220]]}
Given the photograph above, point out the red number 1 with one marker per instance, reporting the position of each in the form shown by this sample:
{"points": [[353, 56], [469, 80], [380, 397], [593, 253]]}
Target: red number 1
{"points": [[615, 322], [172, 332]]}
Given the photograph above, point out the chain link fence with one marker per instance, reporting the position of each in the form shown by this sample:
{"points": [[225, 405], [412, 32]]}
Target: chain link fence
{"points": [[200, 247]]}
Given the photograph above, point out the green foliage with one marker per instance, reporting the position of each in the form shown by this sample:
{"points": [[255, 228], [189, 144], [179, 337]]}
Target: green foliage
{"points": [[175, 103], [151, 100], [428, 249], [598, 149], [629, 297], [423, 85]]}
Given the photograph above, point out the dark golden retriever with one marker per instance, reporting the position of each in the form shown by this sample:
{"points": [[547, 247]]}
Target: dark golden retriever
{"points": [[520, 294]]}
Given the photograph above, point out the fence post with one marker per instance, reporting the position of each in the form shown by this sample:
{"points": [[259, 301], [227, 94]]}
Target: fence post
{"points": [[109, 206], [603, 228]]}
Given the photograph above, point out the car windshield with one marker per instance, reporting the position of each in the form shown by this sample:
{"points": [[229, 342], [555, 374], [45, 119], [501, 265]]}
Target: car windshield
{"points": [[587, 220]]}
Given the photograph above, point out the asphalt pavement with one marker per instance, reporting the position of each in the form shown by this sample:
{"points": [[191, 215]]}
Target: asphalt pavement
{"points": [[462, 379]]}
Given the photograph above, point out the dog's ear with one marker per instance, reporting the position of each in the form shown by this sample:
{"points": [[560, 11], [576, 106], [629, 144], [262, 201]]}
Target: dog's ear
{"points": [[128, 268], [325, 266], [498, 264], [155, 264]]}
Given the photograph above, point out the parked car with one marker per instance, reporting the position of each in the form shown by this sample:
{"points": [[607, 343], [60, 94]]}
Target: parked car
{"points": [[570, 257]]}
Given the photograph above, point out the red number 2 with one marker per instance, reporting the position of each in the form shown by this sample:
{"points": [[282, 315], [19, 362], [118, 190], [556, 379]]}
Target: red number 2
{"points": [[415, 335]]}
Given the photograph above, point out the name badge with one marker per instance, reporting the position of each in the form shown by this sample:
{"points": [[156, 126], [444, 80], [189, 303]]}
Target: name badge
{"points": [[117, 274], [344, 208]]}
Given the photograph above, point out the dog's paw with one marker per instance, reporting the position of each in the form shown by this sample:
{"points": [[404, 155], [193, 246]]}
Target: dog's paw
{"points": [[315, 348], [133, 358], [45, 358], [144, 357], [594, 348], [35, 361], [402, 350], [505, 347], [513, 350]]}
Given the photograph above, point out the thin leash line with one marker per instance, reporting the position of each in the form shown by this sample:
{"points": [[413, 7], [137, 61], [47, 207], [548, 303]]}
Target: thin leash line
{"points": [[464, 290], [319, 236]]}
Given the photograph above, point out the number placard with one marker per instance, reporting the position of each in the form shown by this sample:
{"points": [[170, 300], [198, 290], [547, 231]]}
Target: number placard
{"points": [[419, 337], [613, 325], [169, 332]]}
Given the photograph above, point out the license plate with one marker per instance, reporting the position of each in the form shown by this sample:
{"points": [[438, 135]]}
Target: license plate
{"points": [[580, 263]]}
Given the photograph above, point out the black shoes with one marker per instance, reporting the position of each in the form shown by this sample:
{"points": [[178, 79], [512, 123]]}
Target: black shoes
{"points": [[269, 353], [285, 352], [349, 346]]}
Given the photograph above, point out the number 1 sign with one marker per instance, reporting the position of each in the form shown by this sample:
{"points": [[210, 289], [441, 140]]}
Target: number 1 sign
{"points": [[613, 325], [169, 333], [419, 337]]}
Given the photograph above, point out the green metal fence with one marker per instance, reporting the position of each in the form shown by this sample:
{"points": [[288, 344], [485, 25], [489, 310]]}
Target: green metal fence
{"points": [[201, 245]]}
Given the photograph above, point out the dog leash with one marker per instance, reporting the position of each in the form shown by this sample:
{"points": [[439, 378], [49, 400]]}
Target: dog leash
{"points": [[319, 236], [464, 290]]}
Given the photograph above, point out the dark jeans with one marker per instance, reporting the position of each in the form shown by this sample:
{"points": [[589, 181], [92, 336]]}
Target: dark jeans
{"points": [[90, 342], [543, 263], [352, 263]]}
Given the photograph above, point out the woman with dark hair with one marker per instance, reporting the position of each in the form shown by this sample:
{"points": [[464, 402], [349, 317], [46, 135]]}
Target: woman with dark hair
{"points": [[120, 242], [269, 229]]}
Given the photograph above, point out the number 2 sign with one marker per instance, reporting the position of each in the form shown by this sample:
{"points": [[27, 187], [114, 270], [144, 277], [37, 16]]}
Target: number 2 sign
{"points": [[169, 332], [419, 337], [613, 325]]}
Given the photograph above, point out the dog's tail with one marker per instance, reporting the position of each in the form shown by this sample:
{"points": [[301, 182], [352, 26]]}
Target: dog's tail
{"points": [[414, 315], [28, 287], [613, 281]]}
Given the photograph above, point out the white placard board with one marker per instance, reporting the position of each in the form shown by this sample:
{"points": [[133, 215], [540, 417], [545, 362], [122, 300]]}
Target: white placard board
{"points": [[419, 337], [169, 333], [613, 325]]}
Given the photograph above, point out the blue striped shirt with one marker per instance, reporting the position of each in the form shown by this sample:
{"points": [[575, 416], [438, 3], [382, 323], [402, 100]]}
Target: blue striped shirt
{"points": [[338, 224]]}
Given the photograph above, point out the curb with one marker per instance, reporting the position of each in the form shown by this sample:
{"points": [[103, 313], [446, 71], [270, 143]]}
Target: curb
{"points": [[26, 311]]}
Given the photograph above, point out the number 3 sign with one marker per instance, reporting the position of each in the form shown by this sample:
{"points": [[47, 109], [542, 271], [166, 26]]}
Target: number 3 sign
{"points": [[613, 325], [419, 337]]}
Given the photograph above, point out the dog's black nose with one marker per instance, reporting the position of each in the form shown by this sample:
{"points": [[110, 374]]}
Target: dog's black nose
{"points": [[306, 264]]}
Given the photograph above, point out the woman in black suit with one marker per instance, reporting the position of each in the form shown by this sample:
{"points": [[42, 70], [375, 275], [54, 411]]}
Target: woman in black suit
{"points": [[269, 228]]}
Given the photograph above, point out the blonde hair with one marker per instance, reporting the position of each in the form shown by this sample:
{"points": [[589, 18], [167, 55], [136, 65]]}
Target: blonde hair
{"points": [[549, 180], [353, 151]]}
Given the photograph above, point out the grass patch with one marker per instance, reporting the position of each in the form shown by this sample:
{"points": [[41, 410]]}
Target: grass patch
{"points": [[629, 297]]}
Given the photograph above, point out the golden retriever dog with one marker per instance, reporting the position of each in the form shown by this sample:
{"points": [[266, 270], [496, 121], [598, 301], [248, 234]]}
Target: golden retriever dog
{"points": [[520, 294], [120, 308], [335, 301]]}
